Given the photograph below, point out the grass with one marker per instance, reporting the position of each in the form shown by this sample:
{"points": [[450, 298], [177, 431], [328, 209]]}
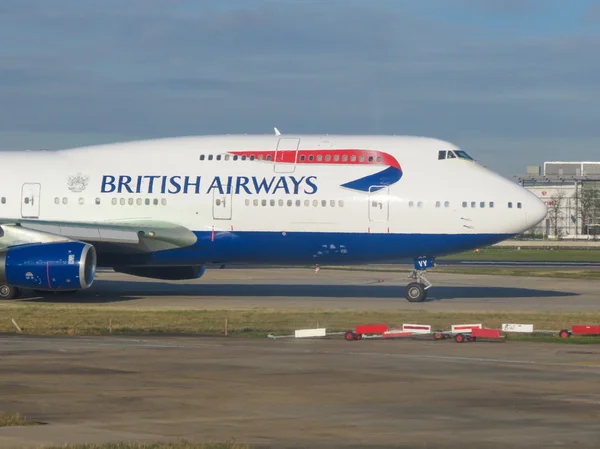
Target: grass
{"points": [[569, 273], [258, 323], [528, 255], [14, 420], [179, 445]]}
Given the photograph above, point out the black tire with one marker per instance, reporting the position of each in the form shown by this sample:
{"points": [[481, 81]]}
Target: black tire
{"points": [[564, 333], [415, 292], [459, 338], [349, 336], [9, 292]]}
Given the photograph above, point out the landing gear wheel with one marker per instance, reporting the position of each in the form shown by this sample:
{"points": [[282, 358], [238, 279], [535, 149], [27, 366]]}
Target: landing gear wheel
{"points": [[9, 292], [564, 333], [459, 338], [415, 292]]}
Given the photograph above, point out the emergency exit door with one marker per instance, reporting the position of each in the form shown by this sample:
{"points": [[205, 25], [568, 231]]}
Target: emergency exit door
{"points": [[30, 200], [222, 206], [286, 154], [379, 204]]}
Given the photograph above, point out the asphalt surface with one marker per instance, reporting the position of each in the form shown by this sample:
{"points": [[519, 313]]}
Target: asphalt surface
{"points": [[300, 393], [282, 288]]}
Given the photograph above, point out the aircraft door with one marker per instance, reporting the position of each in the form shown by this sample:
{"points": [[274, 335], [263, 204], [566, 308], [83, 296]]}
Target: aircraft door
{"points": [[222, 204], [379, 204], [30, 200], [286, 154]]}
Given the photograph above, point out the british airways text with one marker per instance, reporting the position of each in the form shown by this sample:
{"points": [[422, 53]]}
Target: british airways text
{"points": [[173, 185]]}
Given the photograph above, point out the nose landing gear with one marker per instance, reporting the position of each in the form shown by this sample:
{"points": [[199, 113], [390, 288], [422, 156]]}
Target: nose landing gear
{"points": [[9, 292], [417, 291]]}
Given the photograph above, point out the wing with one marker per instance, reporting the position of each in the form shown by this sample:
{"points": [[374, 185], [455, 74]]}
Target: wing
{"points": [[129, 235]]}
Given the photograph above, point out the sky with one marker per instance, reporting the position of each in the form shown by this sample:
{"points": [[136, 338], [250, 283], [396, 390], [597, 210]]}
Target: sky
{"points": [[513, 82]]}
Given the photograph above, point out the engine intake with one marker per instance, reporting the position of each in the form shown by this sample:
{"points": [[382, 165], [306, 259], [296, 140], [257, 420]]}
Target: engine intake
{"points": [[49, 266]]}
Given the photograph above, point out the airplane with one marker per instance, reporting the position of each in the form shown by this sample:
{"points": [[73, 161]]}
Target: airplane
{"points": [[167, 208]]}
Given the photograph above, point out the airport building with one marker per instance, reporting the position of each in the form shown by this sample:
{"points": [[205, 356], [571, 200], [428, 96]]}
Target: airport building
{"points": [[571, 192]]}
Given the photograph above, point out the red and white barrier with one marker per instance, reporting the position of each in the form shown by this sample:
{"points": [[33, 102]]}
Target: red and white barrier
{"points": [[465, 328], [416, 328]]}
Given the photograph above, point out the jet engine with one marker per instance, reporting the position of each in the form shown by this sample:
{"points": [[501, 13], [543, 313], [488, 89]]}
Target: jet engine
{"points": [[56, 266], [165, 273]]}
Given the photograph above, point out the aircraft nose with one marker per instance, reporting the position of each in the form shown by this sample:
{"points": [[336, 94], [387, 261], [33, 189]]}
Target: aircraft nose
{"points": [[536, 210]]}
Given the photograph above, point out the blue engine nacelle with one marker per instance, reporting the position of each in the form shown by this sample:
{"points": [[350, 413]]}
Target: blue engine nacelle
{"points": [[49, 266]]}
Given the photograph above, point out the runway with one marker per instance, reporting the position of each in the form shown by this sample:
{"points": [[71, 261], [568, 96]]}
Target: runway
{"points": [[293, 288], [300, 393]]}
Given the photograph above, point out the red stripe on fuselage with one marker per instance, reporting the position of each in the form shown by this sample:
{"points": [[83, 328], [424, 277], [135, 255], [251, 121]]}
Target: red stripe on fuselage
{"points": [[333, 157]]}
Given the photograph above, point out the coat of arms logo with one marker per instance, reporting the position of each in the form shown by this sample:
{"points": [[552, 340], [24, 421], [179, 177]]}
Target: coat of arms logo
{"points": [[78, 183]]}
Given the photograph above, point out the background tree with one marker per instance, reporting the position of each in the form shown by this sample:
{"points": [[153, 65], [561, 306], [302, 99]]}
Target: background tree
{"points": [[556, 212], [589, 205]]}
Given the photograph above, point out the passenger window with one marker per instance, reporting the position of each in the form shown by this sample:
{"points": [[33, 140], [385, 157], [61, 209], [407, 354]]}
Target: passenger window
{"points": [[244, 158], [411, 203], [311, 158], [260, 157], [438, 204], [302, 157], [235, 157], [482, 204], [332, 203], [201, 157], [210, 157], [519, 205], [97, 200], [255, 202], [464, 204], [56, 200], [341, 203], [269, 157], [263, 202], [155, 202], [319, 158], [138, 201], [353, 159], [280, 203], [298, 203], [379, 159], [336, 158], [370, 158], [272, 203], [324, 203], [289, 203], [81, 200], [420, 204], [473, 204], [328, 158], [510, 205], [247, 202], [113, 201], [345, 158], [218, 157], [307, 203], [491, 204], [130, 201], [147, 202], [163, 201], [315, 203], [226, 157], [362, 158], [441, 155], [122, 201], [252, 157], [447, 204]]}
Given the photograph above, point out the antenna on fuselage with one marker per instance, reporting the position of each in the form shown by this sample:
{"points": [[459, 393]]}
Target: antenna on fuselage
{"points": [[277, 133]]}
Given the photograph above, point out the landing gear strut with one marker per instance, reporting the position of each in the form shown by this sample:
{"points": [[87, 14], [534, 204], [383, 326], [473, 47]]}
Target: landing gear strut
{"points": [[9, 292], [417, 291]]}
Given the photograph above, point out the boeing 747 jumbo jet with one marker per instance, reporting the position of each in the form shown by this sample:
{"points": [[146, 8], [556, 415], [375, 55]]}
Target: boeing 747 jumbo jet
{"points": [[167, 208]]}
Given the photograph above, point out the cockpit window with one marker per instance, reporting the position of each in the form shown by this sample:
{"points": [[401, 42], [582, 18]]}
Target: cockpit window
{"points": [[463, 155], [447, 154]]}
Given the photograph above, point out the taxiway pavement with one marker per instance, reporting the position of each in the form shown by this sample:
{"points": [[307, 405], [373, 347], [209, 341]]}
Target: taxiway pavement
{"points": [[293, 288], [300, 393]]}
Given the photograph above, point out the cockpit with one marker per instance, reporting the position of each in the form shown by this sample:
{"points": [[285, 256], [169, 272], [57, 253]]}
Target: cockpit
{"points": [[453, 154]]}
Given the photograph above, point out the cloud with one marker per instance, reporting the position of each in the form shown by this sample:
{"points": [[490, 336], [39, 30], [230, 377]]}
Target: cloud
{"points": [[157, 68]]}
